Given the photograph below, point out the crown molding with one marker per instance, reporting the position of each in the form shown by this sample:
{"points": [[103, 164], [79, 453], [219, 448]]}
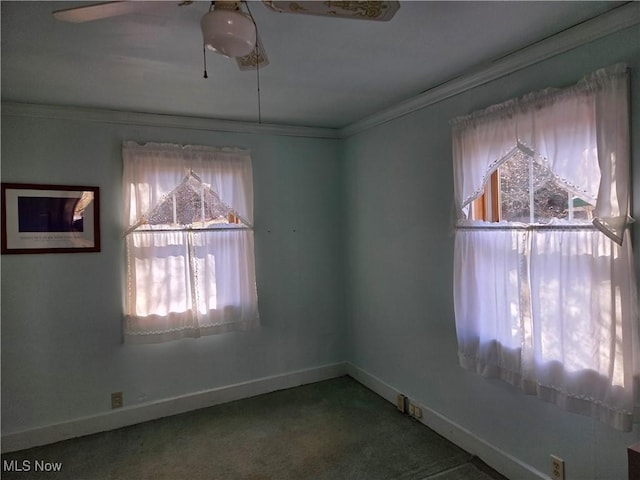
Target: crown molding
{"points": [[157, 120], [620, 18]]}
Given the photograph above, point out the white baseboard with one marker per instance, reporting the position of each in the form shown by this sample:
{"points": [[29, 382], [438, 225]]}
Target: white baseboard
{"points": [[493, 456], [490, 454], [163, 408]]}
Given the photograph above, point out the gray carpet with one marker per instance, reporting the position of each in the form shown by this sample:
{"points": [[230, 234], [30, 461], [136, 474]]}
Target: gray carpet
{"points": [[330, 430]]}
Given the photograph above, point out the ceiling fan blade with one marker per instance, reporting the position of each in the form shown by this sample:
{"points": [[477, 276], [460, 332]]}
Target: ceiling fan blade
{"points": [[257, 58], [96, 11], [370, 10]]}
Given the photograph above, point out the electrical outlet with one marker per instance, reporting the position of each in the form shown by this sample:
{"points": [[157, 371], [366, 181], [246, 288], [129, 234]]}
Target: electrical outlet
{"points": [[557, 468], [411, 409], [400, 399], [116, 400], [417, 411]]}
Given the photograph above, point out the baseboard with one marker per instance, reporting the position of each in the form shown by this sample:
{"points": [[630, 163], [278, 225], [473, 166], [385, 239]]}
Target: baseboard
{"points": [[493, 456], [501, 461], [163, 408]]}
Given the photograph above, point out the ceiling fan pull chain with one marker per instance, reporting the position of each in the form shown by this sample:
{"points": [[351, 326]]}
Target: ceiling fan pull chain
{"points": [[257, 50], [258, 81], [204, 59]]}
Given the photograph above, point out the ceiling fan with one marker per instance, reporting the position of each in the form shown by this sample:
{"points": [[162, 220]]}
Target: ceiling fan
{"points": [[230, 31]]}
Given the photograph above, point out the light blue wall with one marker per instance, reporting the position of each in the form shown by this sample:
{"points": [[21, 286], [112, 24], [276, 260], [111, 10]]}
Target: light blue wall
{"points": [[62, 353], [400, 254]]}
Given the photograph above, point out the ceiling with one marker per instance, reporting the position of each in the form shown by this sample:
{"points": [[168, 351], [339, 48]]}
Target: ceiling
{"points": [[323, 72]]}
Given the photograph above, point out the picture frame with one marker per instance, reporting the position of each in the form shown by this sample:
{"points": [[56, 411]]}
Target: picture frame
{"points": [[50, 218]]}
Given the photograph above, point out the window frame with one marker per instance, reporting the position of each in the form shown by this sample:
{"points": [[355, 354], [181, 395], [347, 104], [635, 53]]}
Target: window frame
{"points": [[488, 206]]}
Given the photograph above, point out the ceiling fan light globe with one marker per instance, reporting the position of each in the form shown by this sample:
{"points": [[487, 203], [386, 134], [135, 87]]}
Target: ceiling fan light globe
{"points": [[229, 33]]}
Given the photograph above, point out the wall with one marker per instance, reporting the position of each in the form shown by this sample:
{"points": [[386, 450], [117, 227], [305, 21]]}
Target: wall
{"points": [[62, 351], [390, 186], [400, 253]]}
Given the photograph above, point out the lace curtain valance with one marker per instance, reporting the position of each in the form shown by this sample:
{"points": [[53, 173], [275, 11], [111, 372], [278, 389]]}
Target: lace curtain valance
{"points": [[154, 169], [580, 133]]}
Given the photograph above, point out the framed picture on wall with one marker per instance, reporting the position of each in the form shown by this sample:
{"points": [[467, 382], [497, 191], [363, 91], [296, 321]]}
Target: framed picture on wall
{"points": [[50, 218]]}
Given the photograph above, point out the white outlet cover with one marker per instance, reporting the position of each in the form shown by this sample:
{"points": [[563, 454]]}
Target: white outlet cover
{"points": [[557, 468]]}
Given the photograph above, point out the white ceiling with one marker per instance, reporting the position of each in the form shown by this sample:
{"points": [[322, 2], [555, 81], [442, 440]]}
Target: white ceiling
{"points": [[323, 72]]}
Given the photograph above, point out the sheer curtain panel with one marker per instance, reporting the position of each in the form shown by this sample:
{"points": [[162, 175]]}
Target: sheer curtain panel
{"points": [[188, 214], [552, 306]]}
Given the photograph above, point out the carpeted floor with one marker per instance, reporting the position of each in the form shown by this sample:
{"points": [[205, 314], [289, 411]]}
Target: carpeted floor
{"points": [[330, 430]]}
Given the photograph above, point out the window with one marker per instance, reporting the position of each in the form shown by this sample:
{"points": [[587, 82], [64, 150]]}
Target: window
{"points": [[521, 190], [189, 241], [544, 289]]}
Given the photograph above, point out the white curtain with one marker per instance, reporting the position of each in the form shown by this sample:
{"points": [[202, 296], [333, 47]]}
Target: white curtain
{"points": [[187, 282], [552, 308], [580, 133]]}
